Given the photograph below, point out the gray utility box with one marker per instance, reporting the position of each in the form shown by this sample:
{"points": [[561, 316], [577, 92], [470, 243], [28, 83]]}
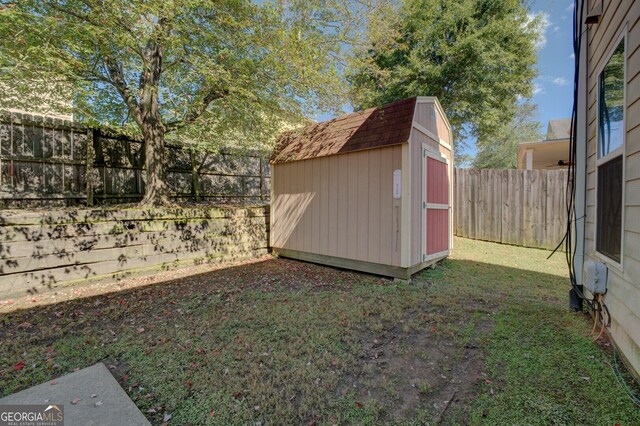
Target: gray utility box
{"points": [[594, 277]]}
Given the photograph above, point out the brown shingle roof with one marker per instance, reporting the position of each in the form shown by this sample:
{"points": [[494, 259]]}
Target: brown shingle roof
{"points": [[371, 128]]}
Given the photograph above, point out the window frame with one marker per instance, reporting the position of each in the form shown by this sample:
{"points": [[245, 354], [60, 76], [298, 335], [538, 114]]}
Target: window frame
{"points": [[618, 152]]}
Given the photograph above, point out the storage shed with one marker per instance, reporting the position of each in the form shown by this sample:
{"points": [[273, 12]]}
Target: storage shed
{"points": [[370, 191]]}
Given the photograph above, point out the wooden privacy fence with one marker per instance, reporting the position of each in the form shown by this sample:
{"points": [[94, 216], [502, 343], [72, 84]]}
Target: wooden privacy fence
{"points": [[53, 162], [520, 207]]}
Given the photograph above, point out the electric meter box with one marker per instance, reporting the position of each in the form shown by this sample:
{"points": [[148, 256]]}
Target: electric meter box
{"points": [[594, 277]]}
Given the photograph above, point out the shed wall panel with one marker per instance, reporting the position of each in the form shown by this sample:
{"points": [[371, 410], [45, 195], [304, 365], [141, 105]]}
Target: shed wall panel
{"points": [[374, 207], [324, 205], [343, 205], [363, 207], [354, 215], [332, 213], [397, 208]]}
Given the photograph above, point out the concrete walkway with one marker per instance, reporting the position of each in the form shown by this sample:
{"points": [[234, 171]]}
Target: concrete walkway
{"points": [[99, 399]]}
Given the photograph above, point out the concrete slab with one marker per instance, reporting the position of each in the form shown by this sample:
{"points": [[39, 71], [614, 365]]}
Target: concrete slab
{"points": [[114, 407]]}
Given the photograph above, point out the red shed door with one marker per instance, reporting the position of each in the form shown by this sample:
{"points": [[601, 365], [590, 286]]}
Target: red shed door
{"points": [[436, 206]]}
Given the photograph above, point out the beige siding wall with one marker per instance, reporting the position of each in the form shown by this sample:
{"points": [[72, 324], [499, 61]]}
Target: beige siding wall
{"points": [[340, 206], [424, 116], [623, 297]]}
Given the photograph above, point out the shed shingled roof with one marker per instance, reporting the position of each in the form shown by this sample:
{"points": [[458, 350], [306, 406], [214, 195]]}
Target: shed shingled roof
{"points": [[372, 128]]}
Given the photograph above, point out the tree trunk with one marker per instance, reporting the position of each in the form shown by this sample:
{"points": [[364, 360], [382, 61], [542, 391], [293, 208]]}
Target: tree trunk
{"points": [[157, 190]]}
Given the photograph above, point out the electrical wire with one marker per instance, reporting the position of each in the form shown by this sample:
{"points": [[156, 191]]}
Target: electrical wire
{"points": [[621, 380], [595, 322], [567, 239], [599, 315]]}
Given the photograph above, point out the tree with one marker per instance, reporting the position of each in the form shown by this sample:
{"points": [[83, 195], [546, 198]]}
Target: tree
{"points": [[501, 150], [200, 69], [477, 56]]}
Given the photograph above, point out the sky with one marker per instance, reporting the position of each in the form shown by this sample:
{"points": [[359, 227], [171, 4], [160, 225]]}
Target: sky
{"points": [[553, 89]]}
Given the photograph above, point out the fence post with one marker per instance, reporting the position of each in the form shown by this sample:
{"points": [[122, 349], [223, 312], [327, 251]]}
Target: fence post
{"points": [[195, 184], [261, 179], [89, 160]]}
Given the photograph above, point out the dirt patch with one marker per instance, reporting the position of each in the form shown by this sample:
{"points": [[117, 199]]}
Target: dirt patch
{"points": [[411, 370]]}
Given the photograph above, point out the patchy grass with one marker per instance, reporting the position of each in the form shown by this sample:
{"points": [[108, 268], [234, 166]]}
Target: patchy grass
{"points": [[484, 338]]}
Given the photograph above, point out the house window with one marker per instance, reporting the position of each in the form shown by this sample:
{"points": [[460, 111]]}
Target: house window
{"points": [[610, 162]]}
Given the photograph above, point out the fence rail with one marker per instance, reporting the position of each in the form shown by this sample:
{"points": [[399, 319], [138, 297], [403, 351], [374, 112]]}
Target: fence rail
{"points": [[53, 162], [520, 207]]}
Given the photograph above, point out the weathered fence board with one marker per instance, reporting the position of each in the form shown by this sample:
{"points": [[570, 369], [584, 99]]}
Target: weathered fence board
{"points": [[521, 207], [51, 162], [41, 252]]}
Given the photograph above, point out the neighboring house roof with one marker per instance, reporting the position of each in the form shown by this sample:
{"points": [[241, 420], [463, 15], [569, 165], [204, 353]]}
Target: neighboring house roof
{"points": [[559, 129], [372, 128]]}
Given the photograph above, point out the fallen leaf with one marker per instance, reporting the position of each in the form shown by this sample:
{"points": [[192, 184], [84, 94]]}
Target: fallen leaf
{"points": [[19, 366], [75, 401], [359, 405]]}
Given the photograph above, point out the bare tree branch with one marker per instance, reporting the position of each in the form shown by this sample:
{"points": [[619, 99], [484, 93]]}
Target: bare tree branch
{"points": [[118, 82], [197, 110]]}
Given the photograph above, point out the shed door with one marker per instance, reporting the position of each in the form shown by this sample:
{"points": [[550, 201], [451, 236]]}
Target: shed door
{"points": [[436, 206]]}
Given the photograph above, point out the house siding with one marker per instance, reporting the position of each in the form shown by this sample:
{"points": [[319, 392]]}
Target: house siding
{"points": [[623, 296]]}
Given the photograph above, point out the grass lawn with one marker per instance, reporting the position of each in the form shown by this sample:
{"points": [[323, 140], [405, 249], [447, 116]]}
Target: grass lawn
{"points": [[484, 338]]}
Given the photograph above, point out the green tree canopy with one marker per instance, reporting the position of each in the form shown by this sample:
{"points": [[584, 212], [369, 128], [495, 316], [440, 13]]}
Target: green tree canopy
{"points": [[208, 70], [477, 56], [500, 150]]}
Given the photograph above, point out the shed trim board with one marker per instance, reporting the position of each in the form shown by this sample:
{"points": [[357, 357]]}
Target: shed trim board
{"points": [[405, 253], [361, 266]]}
